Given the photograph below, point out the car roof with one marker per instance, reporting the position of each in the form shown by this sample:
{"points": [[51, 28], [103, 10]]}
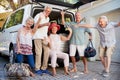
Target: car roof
{"points": [[76, 3]]}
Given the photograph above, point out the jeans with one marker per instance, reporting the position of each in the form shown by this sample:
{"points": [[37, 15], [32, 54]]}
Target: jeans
{"points": [[30, 59]]}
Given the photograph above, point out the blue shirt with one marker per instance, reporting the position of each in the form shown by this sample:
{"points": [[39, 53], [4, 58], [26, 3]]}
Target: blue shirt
{"points": [[107, 34], [78, 33]]}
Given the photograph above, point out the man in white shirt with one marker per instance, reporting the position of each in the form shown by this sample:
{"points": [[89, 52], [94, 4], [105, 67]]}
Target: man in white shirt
{"points": [[39, 41]]}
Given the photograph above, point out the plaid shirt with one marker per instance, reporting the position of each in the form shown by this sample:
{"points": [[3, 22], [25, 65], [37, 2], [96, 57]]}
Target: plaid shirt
{"points": [[107, 34]]}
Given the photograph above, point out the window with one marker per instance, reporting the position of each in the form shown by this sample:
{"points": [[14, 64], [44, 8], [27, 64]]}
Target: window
{"points": [[69, 1], [15, 18]]}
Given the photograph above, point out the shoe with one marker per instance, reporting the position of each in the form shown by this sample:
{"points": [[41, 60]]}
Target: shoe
{"points": [[46, 71], [38, 72], [106, 74], [101, 73]]}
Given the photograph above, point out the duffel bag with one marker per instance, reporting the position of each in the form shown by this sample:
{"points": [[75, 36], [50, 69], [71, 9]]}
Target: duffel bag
{"points": [[17, 69]]}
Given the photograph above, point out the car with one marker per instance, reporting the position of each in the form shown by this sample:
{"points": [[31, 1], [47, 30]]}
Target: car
{"points": [[16, 20]]}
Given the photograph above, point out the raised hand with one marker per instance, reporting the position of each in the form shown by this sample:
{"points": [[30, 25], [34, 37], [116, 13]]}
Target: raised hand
{"points": [[62, 12]]}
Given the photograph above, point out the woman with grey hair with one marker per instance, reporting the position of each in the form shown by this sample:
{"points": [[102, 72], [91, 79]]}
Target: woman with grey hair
{"points": [[24, 42], [107, 41]]}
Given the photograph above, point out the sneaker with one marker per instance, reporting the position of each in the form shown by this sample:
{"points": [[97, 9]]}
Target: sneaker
{"points": [[106, 74], [46, 71], [101, 73], [38, 72]]}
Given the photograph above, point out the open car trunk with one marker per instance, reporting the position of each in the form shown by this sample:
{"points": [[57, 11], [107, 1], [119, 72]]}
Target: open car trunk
{"points": [[55, 16]]}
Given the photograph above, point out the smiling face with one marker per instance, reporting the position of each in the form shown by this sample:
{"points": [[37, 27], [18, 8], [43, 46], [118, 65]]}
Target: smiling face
{"points": [[102, 22], [54, 30], [78, 17], [47, 11], [29, 23]]}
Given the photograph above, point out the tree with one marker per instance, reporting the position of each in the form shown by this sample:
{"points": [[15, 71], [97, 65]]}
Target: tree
{"points": [[22, 2], [11, 4], [4, 4]]}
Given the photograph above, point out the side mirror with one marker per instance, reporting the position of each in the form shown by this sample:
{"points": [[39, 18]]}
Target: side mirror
{"points": [[0, 28]]}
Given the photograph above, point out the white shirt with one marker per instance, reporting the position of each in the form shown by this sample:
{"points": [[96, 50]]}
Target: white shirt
{"points": [[41, 32], [55, 42]]}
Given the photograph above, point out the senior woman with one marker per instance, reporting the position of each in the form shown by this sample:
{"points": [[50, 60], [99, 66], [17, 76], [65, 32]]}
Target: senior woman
{"points": [[54, 43], [24, 41]]}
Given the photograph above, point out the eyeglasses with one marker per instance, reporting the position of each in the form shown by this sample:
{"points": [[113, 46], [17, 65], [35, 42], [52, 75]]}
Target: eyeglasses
{"points": [[30, 24], [47, 11]]}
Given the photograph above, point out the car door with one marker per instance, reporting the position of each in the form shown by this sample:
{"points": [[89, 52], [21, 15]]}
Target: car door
{"points": [[9, 32]]}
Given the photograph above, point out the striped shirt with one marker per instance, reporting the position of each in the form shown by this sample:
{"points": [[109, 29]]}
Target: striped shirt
{"points": [[26, 43]]}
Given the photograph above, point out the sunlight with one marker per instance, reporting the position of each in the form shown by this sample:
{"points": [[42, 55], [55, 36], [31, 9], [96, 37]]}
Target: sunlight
{"points": [[15, 1]]}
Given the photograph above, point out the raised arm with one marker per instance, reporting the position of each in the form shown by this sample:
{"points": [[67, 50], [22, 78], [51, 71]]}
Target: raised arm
{"points": [[63, 38], [63, 18]]}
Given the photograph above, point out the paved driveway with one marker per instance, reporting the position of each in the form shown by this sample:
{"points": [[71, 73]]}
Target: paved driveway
{"points": [[95, 68]]}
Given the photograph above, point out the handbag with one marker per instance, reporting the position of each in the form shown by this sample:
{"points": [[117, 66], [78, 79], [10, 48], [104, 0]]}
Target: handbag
{"points": [[17, 69], [90, 50]]}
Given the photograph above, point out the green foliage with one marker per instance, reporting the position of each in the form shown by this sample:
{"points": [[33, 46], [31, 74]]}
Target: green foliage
{"points": [[15, 18], [67, 20]]}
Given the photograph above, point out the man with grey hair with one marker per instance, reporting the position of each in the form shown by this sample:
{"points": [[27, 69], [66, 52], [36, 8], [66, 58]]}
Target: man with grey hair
{"points": [[107, 41], [39, 41], [77, 40]]}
